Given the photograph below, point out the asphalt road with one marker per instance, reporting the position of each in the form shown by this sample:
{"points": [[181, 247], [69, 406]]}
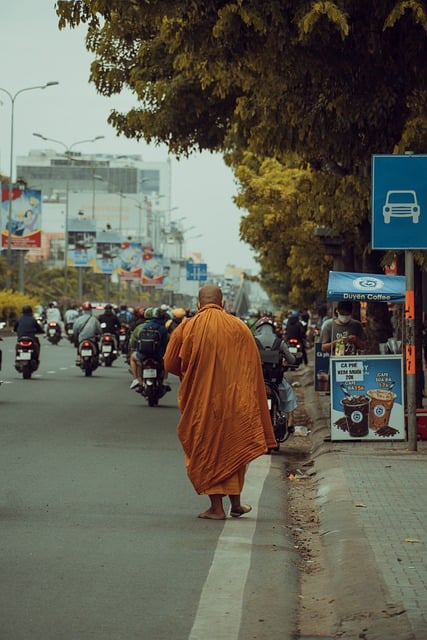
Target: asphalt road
{"points": [[99, 538]]}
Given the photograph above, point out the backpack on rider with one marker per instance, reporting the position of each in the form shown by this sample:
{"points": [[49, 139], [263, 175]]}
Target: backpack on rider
{"points": [[149, 341], [271, 360]]}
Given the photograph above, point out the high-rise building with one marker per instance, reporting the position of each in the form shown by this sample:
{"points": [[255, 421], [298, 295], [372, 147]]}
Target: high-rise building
{"points": [[121, 193]]}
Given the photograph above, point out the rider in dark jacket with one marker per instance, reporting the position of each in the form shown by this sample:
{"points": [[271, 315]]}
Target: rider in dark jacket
{"points": [[110, 323], [27, 325]]}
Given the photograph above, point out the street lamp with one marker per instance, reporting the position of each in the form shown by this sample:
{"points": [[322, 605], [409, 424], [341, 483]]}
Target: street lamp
{"points": [[140, 207], [94, 178], [12, 98], [67, 153]]}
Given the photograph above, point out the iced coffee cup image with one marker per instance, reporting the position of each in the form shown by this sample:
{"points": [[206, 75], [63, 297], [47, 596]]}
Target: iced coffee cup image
{"points": [[323, 381], [356, 411], [380, 408]]}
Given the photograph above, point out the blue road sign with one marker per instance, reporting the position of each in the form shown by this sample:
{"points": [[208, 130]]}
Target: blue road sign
{"points": [[399, 202], [197, 271]]}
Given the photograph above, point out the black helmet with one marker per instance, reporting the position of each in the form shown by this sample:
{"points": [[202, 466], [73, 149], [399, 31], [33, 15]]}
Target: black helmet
{"points": [[108, 307], [27, 309]]}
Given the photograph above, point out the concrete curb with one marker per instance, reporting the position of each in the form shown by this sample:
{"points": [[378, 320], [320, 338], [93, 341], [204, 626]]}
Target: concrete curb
{"points": [[362, 601]]}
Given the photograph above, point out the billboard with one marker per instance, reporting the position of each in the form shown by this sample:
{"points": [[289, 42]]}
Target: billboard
{"points": [[25, 219]]}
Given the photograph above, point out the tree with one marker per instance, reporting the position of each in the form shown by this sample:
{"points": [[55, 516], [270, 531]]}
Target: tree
{"points": [[330, 83]]}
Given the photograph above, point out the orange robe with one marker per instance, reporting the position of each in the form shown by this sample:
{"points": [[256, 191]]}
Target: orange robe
{"points": [[225, 422]]}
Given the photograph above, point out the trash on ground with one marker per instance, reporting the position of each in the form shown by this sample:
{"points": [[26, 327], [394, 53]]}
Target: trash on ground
{"points": [[301, 431]]}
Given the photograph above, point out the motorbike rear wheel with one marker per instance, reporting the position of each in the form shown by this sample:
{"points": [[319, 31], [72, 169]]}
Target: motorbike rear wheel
{"points": [[26, 372], [277, 418]]}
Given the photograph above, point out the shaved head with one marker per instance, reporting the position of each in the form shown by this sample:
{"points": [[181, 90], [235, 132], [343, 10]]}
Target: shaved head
{"points": [[210, 294]]}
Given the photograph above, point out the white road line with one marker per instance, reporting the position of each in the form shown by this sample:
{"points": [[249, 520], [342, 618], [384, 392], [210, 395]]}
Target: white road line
{"points": [[220, 607]]}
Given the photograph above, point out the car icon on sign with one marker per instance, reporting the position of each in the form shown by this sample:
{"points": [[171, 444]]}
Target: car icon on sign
{"points": [[401, 204]]}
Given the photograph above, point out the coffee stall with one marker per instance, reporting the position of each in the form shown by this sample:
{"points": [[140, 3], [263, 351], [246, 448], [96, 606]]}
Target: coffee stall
{"points": [[367, 391]]}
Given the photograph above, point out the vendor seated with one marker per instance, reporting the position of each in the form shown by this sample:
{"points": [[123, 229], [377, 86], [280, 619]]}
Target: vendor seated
{"points": [[343, 332]]}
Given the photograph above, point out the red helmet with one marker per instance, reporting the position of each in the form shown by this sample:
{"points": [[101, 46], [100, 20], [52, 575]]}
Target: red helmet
{"points": [[141, 312], [264, 320], [86, 306]]}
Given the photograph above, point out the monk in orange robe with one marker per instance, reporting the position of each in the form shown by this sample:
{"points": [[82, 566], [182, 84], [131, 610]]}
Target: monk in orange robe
{"points": [[225, 422]]}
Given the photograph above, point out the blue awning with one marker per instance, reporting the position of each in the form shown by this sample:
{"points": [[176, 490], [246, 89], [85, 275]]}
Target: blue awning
{"points": [[365, 287]]}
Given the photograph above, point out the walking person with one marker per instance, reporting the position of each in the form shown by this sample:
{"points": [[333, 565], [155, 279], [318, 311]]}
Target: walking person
{"points": [[225, 423]]}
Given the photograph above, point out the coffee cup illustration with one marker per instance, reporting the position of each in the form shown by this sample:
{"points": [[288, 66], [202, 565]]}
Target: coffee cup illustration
{"points": [[380, 408], [323, 381], [356, 411]]}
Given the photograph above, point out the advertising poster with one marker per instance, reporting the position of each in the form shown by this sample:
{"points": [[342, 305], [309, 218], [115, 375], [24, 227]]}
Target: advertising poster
{"points": [[108, 247], [321, 369], [130, 267], [367, 400], [152, 271], [81, 243], [25, 227]]}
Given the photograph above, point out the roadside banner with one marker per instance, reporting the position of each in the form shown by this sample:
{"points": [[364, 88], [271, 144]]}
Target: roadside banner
{"points": [[81, 243], [25, 224]]}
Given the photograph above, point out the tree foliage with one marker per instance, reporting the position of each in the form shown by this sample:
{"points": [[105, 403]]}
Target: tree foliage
{"points": [[325, 84]]}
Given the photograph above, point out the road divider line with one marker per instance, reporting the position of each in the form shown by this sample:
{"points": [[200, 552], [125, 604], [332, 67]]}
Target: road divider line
{"points": [[220, 606]]}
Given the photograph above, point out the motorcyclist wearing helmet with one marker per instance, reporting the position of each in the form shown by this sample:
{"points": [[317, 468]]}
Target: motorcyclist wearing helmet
{"points": [[265, 334], [27, 325], [110, 323], [124, 315], [296, 329], [53, 314], [155, 319], [86, 327]]}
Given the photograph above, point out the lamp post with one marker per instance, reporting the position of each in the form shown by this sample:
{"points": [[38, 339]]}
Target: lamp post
{"points": [[94, 178], [67, 193], [140, 207], [12, 98]]}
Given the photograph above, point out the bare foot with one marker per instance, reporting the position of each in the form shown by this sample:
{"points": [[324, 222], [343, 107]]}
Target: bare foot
{"points": [[236, 512], [212, 515]]}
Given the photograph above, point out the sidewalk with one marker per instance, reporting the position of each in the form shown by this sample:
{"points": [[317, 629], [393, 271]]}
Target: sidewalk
{"points": [[372, 507]]}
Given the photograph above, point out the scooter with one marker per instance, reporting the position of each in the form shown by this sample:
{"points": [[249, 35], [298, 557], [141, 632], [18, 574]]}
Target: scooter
{"points": [[53, 332], [69, 330], [108, 349], [26, 356], [296, 348], [152, 388], [124, 335], [88, 356], [273, 367]]}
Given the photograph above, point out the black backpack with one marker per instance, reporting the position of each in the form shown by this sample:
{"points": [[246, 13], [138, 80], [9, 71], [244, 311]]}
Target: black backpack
{"points": [[271, 360], [149, 341]]}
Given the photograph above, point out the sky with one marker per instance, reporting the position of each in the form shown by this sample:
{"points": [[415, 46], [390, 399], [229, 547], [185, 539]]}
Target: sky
{"points": [[33, 52]]}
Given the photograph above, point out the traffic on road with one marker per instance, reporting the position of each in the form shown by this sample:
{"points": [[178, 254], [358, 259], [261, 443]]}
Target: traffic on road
{"points": [[100, 537]]}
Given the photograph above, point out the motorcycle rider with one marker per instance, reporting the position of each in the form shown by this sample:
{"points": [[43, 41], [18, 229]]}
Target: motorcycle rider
{"points": [[265, 334], [27, 325], [86, 327], [110, 323], [71, 314], [157, 321], [124, 315], [53, 314], [296, 329]]}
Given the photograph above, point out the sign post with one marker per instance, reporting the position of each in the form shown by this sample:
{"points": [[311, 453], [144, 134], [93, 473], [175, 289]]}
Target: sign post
{"points": [[399, 221]]}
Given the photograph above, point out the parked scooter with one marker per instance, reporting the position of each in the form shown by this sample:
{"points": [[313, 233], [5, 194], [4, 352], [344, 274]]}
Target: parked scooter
{"points": [[108, 351], [152, 388], [53, 332], [26, 356], [88, 356]]}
